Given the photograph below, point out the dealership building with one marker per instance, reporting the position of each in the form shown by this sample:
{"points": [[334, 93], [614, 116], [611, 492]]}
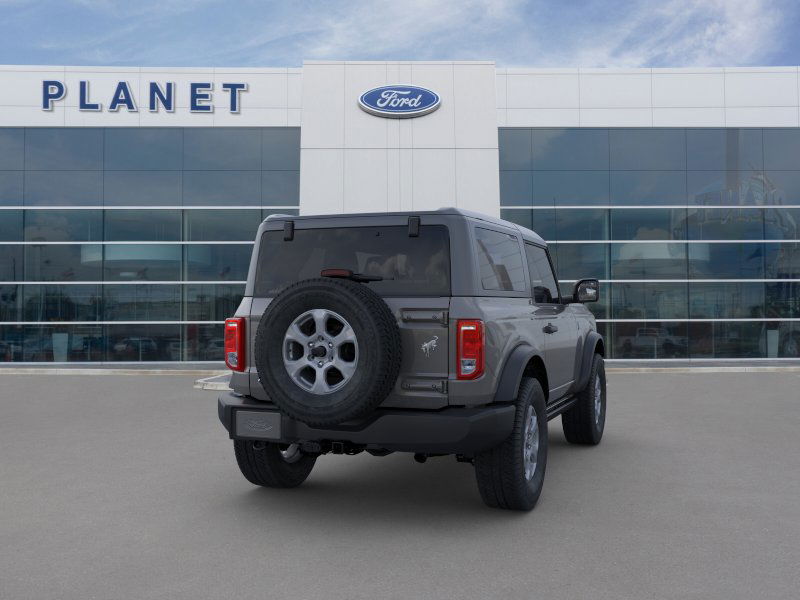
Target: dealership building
{"points": [[130, 197]]}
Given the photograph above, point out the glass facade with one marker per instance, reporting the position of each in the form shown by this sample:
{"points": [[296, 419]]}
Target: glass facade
{"points": [[693, 232], [132, 244]]}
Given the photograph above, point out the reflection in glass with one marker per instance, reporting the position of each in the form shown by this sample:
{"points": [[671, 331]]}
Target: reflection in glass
{"points": [[724, 149], [64, 188], [648, 187], [62, 303], [648, 149], [783, 340], [63, 225], [62, 343], [569, 188], [63, 148], [580, 261], [516, 188], [208, 302], [280, 149], [10, 226], [217, 263], [649, 224], [727, 340], [648, 261], [222, 148], [732, 188], [11, 188], [143, 188], [12, 148], [782, 148], [11, 264], [221, 225], [514, 149], [10, 304], [222, 188], [726, 223], [570, 149], [153, 262], [581, 224], [142, 225], [143, 148], [204, 342], [280, 188], [63, 262], [783, 299], [726, 300], [650, 339], [782, 260], [142, 302], [726, 261], [648, 300], [143, 342]]}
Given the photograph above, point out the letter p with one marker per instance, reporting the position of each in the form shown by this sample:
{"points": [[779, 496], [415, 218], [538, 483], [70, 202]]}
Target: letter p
{"points": [[51, 91]]}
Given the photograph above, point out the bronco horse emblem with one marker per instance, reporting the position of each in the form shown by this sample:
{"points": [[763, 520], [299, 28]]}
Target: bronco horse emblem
{"points": [[429, 346]]}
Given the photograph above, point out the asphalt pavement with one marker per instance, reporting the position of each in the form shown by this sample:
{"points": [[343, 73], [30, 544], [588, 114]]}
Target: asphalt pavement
{"points": [[125, 486]]}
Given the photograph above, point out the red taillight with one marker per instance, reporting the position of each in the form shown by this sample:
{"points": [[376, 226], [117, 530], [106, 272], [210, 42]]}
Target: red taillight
{"points": [[469, 357], [234, 344]]}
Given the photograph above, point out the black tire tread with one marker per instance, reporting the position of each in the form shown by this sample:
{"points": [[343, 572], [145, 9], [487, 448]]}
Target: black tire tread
{"points": [[578, 422], [265, 466]]}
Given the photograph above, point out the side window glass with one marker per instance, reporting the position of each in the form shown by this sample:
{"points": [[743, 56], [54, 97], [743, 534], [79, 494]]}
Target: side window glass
{"points": [[499, 261], [543, 283]]}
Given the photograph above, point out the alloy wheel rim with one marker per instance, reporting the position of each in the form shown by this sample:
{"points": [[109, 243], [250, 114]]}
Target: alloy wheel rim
{"points": [[531, 443], [320, 351], [598, 400]]}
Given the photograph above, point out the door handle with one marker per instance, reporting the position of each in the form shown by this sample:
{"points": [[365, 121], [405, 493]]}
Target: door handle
{"points": [[549, 328]]}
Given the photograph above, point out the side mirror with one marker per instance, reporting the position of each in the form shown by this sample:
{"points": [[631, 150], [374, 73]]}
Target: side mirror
{"points": [[586, 290]]}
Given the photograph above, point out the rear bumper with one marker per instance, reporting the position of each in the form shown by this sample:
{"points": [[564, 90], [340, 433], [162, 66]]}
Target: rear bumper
{"points": [[448, 431]]}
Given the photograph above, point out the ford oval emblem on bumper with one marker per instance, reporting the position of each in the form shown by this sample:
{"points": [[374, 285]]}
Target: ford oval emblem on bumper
{"points": [[399, 101]]}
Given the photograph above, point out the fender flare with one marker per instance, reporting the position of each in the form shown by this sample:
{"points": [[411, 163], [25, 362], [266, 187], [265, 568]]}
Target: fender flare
{"points": [[589, 347], [511, 377]]}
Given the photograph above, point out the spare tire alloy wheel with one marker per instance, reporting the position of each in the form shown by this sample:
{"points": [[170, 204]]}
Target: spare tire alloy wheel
{"points": [[320, 351], [327, 351]]}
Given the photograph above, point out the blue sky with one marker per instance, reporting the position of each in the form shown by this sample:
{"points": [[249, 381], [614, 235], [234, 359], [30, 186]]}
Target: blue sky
{"points": [[586, 33]]}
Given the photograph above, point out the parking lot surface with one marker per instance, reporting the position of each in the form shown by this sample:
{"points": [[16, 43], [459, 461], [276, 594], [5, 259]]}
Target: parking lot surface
{"points": [[126, 487]]}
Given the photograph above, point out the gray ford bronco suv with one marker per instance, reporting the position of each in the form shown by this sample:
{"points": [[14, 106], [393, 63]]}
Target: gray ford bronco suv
{"points": [[435, 333]]}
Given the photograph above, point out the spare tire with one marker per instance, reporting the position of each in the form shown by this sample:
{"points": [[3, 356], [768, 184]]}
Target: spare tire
{"points": [[327, 350]]}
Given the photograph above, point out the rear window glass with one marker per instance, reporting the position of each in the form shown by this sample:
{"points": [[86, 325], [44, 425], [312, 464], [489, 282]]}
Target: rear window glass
{"points": [[410, 266], [499, 261]]}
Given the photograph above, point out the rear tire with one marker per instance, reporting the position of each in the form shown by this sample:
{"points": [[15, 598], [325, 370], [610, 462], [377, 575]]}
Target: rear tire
{"points": [[585, 421], [263, 464], [501, 471]]}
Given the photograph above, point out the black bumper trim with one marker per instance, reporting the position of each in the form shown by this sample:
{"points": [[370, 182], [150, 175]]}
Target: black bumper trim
{"points": [[448, 431]]}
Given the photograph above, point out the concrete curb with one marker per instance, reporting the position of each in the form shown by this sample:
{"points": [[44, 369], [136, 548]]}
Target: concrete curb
{"points": [[57, 371]]}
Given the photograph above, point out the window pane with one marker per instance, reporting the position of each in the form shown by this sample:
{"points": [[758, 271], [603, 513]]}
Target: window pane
{"points": [[784, 341], [221, 225], [143, 148], [730, 188], [154, 262], [63, 149], [727, 340], [11, 188], [726, 224], [12, 147], [724, 149], [143, 188], [221, 188], [67, 262], [62, 303], [143, 342], [65, 188], [514, 149], [782, 261], [499, 261], [650, 339], [221, 148], [564, 188], [11, 263], [648, 224], [142, 302], [11, 339], [217, 263], [726, 261], [783, 187], [580, 261], [142, 225], [648, 261], [516, 188], [204, 342], [543, 284], [570, 149], [280, 147], [783, 299], [10, 226], [648, 187], [63, 225], [280, 188], [648, 149], [540, 221], [648, 301], [581, 224], [10, 308], [782, 148], [726, 300], [212, 302], [62, 343]]}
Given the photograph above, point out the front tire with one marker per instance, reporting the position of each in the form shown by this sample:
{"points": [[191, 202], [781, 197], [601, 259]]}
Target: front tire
{"points": [[585, 421], [511, 475], [271, 465]]}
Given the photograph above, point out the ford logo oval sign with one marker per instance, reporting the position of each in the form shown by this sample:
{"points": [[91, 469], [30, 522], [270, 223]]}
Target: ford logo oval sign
{"points": [[399, 101]]}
